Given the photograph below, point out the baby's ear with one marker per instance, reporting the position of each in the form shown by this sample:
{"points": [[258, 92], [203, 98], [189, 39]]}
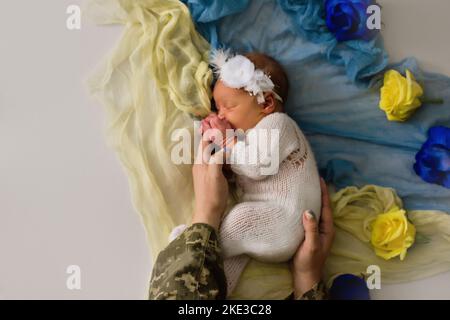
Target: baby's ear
{"points": [[269, 106]]}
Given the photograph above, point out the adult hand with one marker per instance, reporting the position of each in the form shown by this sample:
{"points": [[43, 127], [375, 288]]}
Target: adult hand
{"points": [[309, 260], [210, 187]]}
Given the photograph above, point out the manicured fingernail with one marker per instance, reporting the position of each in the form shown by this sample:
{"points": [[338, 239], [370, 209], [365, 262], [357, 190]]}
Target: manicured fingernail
{"points": [[310, 215]]}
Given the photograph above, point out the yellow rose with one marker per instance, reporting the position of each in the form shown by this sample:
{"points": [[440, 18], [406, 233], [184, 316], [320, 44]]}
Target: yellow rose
{"points": [[392, 234], [400, 95]]}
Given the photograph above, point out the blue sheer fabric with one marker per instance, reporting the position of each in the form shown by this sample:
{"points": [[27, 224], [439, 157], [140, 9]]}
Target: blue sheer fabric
{"points": [[329, 98]]}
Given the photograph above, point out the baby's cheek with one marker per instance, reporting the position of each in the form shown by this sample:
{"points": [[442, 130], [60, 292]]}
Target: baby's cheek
{"points": [[236, 120], [234, 123]]}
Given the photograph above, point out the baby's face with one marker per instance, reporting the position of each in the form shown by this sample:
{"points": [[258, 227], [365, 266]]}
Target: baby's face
{"points": [[237, 106]]}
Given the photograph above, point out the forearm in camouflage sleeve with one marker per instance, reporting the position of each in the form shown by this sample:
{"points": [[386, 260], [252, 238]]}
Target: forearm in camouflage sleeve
{"points": [[317, 292], [190, 268]]}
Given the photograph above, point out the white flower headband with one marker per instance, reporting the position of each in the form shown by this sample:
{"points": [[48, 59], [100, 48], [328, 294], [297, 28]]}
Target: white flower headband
{"points": [[239, 72]]}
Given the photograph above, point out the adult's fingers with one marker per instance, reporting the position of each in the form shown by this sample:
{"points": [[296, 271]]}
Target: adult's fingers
{"points": [[217, 160], [312, 239], [326, 225], [203, 152], [326, 219]]}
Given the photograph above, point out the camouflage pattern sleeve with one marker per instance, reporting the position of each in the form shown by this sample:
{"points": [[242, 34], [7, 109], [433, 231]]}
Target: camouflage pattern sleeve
{"points": [[318, 292], [190, 268]]}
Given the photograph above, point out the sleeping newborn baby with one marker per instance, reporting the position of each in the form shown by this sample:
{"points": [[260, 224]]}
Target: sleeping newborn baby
{"points": [[266, 224], [272, 161]]}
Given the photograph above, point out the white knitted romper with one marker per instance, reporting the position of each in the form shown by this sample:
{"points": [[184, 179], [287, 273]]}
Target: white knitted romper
{"points": [[266, 224]]}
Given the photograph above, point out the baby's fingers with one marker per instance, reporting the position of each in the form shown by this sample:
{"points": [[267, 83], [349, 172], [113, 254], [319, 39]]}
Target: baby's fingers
{"points": [[205, 125]]}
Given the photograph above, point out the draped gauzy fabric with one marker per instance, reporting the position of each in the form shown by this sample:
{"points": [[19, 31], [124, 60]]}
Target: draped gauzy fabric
{"points": [[150, 85], [360, 59]]}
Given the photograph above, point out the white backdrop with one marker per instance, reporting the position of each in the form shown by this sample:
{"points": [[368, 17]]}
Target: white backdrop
{"points": [[64, 199]]}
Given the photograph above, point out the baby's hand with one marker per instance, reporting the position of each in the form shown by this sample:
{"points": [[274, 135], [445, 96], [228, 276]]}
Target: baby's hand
{"points": [[215, 128]]}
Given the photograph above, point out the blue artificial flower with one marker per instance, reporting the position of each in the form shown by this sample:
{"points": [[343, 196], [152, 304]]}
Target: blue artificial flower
{"points": [[433, 159], [347, 19], [349, 287]]}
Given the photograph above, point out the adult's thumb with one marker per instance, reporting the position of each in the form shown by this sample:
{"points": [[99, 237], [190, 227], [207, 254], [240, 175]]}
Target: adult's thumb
{"points": [[217, 159], [311, 227]]}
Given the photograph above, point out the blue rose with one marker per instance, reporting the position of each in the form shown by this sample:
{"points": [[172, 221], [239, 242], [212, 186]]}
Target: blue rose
{"points": [[433, 159], [347, 19]]}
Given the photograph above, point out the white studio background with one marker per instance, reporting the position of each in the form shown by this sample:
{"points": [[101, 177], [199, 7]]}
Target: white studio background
{"points": [[64, 199]]}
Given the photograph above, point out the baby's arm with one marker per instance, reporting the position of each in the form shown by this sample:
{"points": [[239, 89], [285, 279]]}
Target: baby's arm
{"points": [[264, 147]]}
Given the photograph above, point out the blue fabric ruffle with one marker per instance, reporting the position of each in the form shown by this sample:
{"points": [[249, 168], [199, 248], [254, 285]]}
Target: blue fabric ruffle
{"points": [[353, 142], [361, 59]]}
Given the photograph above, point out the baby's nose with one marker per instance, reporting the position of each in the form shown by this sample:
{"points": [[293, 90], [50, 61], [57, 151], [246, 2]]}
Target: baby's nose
{"points": [[221, 115]]}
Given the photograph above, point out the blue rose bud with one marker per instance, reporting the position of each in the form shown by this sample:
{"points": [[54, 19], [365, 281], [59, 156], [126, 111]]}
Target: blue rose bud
{"points": [[347, 19], [433, 159]]}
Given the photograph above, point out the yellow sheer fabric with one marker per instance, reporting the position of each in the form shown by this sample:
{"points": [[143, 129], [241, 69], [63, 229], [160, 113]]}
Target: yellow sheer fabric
{"points": [[152, 83], [353, 210]]}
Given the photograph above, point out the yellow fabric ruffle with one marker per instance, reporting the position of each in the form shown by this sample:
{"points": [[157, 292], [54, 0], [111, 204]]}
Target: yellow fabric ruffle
{"points": [[152, 83], [354, 210]]}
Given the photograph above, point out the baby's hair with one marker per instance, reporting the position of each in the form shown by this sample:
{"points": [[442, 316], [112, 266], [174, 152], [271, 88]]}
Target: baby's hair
{"points": [[273, 68]]}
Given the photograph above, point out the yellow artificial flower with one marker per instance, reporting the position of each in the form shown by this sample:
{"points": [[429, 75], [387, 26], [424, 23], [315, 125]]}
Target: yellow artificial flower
{"points": [[392, 234], [400, 95]]}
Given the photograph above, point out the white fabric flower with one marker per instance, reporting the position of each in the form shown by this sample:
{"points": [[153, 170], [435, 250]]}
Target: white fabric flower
{"points": [[239, 72], [219, 58]]}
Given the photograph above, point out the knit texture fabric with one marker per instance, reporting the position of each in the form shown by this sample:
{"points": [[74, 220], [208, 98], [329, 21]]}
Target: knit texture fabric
{"points": [[266, 224]]}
